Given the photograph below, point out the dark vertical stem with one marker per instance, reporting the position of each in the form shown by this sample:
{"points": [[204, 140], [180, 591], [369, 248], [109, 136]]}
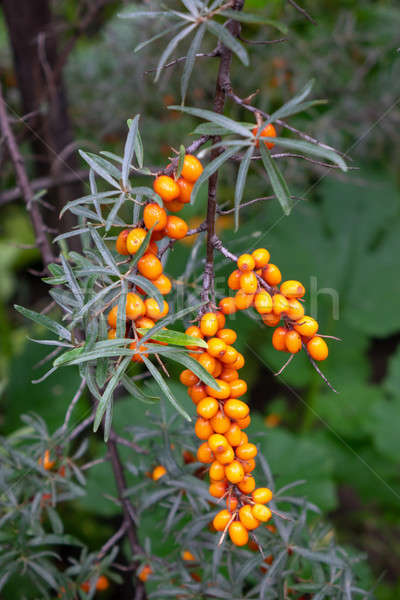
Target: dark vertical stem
{"points": [[222, 88]]}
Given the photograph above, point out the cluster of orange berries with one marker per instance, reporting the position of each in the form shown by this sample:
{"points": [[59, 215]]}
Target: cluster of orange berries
{"points": [[222, 417], [257, 283], [174, 194]]}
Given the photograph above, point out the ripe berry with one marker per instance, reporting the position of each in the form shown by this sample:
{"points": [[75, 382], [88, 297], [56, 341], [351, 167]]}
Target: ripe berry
{"points": [[229, 375], [137, 356], [158, 472], [245, 422], [293, 342], [246, 262], [296, 310], [218, 368], [207, 361], [145, 572], [207, 408], [247, 519], [120, 244], [306, 326], [261, 512], [221, 319], [227, 335], [192, 168], [217, 489], [238, 533], [271, 319], [292, 289], [134, 306], [220, 423], [144, 323], [163, 284], [150, 266], [198, 392], [223, 392], [188, 556], [135, 239], [247, 485], [236, 409], [272, 275], [154, 216], [263, 303], [226, 457], [102, 583], [262, 495], [239, 362], [317, 348], [185, 192], [216, 347], [204, 454], [188, 378], [218, 443], [209, 324], [234, 472], [112, 334], [229, 356], [238, 388], [176, 228], [166, 188], [227, 306], [153, 310], [234, 280], [221, 520], [234, 434], [279, 339], [280, 304], [246, 452], [231, 503], [46, 461], [217, 471], [112, 317], [249, 465], [175, 206], [248, 282], [261, 257], [268, 131]]}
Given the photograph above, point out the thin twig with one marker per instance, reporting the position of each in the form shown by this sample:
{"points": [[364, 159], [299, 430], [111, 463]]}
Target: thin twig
{"points": [[94, 462], [191, 149], [112, 541], [44, 183], [81, 427], [183, 59], [303, 12], [244, 204], [124, 442], [73, 403]]}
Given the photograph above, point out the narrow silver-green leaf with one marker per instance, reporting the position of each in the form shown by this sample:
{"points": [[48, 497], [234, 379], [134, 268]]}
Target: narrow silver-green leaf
{"points": [[177, 338], [229, 41], [181, 160], [157, 36], [170, 318], [121, 313], [114, 211], [193, 365], [245, 17], [72, 282], [209, 115], [211, 168], [214, 129], [106, 397], [278, 183], [164, 387], [129, 150], [303, 93], [171, 47], [312, 149], [104, 251], [241, 182], [190, 60], [148, 287], [136, 392], [89, 199], [45, 321], [98, 168]]}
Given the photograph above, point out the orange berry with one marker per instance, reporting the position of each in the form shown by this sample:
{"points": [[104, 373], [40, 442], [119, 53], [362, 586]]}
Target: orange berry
{"points": [[234, 280], [234, 472], [228, 374], [176, 228], [249, 465], [188, 457], [306, 326], [112, 334], [268, 131], [163, 284], [188, 556], [296, 310], [144, 323], [292, 289], [198, 392], [220, 422], [157, 236], [188, 378], [223, 392], [245, 422], [263, 303], [112, 317], [261, 512], [221, 319], [46, 461], [239, 362], [261, 257], [102, 583], [243, 300], [185, 190], [247, 519], [293, 342], [192, 168], [218, 443], [227, 335], [207, 361], [144, 573], [246, 262], [150, 266], [221, 520], [135, 239], [137, 356], [262, 495], [226, 457], [166, 188], [238, 533], [317, 348], [272, 275], [158, 472], [231, 503], [238, 388], [154, 216], [204, 454], [216, 347], [230, 356], [209, 324], [246, 452], [247, 485], [236, 409], [279, 339], [271, 319], [134, 306], [248, 282], [217, 471], [153, 310], [218, 368], [234, 435], [120, 244], [194, 332], [207, 408], [175, 206], [227, 305], [217, 489], [244, 439], [280, 304]]}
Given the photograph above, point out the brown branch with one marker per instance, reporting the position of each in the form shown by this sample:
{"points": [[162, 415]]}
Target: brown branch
{"points": [[244, 204], [44, 183], [72, 405], [303, 12], [42, 241], [124, 442], [191, 149], [176, 61]]}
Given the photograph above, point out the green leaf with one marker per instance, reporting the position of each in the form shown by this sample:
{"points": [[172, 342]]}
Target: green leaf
{"points": [[278, 183], [229, 41], [213, 166], [139, 150], [170, 318], [245, 17], [193, 365], [241, 182], [171, 47], [72, 282], [309, 148], [121, 313], [293, 102], [182, 154], [106, 397], [148, 287], [79, 355], [190, 60], [129, 150], [96, 163], [164, 387], [282, 113], [214, 129], [89, 199], [157, 36], [143, 14], [114, 211], [136, 392], [45, 321], [174, 337], [221, 120], [102, 363], [104, 251]]}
